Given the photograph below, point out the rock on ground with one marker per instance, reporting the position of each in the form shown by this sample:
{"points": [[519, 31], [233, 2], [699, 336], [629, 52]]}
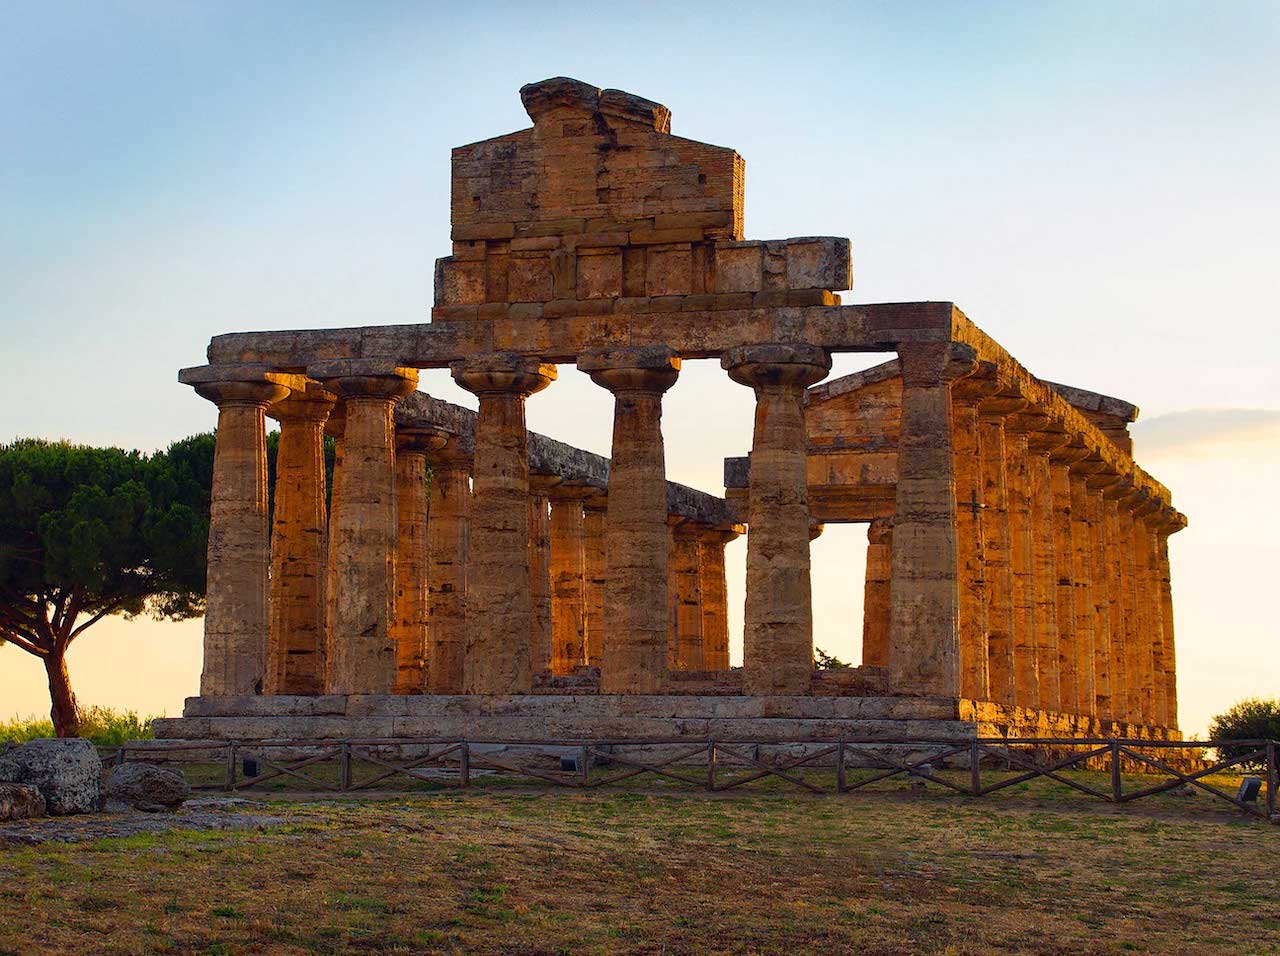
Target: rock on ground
{"points": [[66, 771], [145, 787], [18, 801]]}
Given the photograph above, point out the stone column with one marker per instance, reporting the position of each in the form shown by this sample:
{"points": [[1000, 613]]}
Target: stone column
{"points": [[1026, 673], [1070, 639], [541, 628], [974, 652], [1151, 519], [924, 654], [875, 595], [1092, 642], [635, 597], [998, 572], [568, 580], [1044, 565], [1137, 666], [1115, 577], [409, 625], [447, 539], [1148, 634], [334, 427], [686, 568], [1097, 606], [778, 636], [715, 598], [498, 601], [594, 567], [362, 656], [1172, 522], [299, 536], [236, 617]]}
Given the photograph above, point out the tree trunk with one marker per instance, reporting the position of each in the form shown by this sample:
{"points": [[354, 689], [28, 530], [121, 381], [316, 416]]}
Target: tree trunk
{"points": [[65, 712]]}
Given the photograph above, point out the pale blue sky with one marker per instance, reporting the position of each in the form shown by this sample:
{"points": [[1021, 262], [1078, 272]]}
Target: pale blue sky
{"points": [[1093, 183]]}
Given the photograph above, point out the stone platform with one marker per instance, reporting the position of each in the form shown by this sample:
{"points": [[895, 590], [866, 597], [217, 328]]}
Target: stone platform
{"points": [[622, 717]]}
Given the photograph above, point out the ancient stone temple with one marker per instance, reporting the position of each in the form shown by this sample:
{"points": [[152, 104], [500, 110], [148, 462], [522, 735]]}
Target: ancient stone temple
{"points": [[1017, 564]]}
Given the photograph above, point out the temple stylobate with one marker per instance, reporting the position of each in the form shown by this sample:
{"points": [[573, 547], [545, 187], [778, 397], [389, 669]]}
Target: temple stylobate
{"points": [[1017, 567]]}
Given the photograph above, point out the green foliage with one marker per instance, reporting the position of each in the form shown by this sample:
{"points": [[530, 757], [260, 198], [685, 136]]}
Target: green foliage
{"points": [[1255, 719], [828, 662], [105, 726]]}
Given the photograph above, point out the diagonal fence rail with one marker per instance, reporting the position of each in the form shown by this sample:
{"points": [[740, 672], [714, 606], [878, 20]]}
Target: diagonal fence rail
{"points": [[974, 767]]}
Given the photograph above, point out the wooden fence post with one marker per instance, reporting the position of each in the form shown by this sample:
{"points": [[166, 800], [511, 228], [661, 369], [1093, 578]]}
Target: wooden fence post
{"points": [[1272, 781], [840, 769], [711, 764], [1117, 784], [464, 765], [975, 768], [584, 767], [344, 767]]}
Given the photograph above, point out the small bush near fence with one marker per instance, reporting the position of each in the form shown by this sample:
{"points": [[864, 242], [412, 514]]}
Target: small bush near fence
{"points": [[105, 726], [1255, 719]]}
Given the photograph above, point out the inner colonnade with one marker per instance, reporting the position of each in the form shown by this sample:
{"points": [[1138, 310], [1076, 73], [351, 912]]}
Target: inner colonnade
{"points": [[1017, 572]]}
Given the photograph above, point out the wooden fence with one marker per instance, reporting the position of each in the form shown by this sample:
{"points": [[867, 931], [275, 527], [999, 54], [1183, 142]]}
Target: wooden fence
{"points": [[345, 766]]}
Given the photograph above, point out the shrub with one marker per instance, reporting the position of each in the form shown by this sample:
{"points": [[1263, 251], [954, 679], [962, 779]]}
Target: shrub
{"points": [[828, 662], [1255, 719], [105, 726]]}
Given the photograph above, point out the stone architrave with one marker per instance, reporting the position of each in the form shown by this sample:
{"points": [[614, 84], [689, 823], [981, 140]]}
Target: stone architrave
{"points": [[236, 622], [299, 546], [686, 574], [594, 569], [410, 621], [362, 654], [875, 596], [1044, 569], [635, 597], [998, 572], [568, 580], [541, 629], [447, 538], [924, 653], [778, 633], [974, 652], [498, 602], [1026, 672], [715, 597]]}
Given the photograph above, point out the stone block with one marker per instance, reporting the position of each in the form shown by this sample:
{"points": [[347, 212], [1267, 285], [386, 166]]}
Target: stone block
{"points": [[819, 262], [529, 278], [21, 801], [463, 283], [377, 705], [66, 771], [669, 271], [739, 266]]}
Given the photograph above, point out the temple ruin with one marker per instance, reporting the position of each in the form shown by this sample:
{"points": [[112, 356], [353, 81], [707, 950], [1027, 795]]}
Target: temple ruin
{"points": [[1017, 568]]}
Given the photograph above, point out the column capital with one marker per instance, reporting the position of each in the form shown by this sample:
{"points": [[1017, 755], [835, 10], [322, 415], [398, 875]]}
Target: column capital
{"points": [[494, 372], [973, 389], [1069, 454], [1027, 422], [569, 491], [721, 534], [313, 403], [776, 364], [1047, 442], [815, 529], [365, 378], [649, 368], [1001, 405], [935, 363], [241, 384], [420, 440], [880, 530]]}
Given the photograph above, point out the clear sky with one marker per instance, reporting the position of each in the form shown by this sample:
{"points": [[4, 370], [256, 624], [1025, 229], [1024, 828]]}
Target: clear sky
{"points": [[1093, 183]]}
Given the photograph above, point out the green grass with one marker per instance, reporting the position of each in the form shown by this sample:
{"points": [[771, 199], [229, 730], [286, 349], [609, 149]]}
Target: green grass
{"points": [[105, 726]]}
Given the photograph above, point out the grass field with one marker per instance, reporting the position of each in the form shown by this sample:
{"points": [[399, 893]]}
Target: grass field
{"points": [[530, 870]]}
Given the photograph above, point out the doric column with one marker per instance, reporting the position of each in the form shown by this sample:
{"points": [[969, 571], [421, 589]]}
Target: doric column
{"points": [[1093, 660], [686, 567], [1119, 612], [334, 427], [875, 595], [409, 624], [1106, 676], [1141, 509], [1066, 559], [447, 539], [1172, 522], [541, 628], [635, 599], [974, 652], [593, 550], [924, 653], [498, 603], [362, 655], [1026, 672], [1137, 665], [778, 636], [568, 579], [236, 618], [1044, 563], [299, 536], [715, 598], [998, 571]]}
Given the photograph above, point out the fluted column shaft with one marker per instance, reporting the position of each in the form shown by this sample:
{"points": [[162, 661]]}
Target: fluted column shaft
{"points": [[924, 632], [447, 546], [635, 594], [715, 597], [595, 570], [236, 614], [541, 628], [1105, 673], [296, 647], [1044, 561], [1025, 662], [996, 546], [1122, 702], [1166, 617], [568, 584], [969, 544], [498, 598], [876, 593], [362, 657], [686, 569], [409, 624], [1069, 652], [778, 634], [1090, 645]]}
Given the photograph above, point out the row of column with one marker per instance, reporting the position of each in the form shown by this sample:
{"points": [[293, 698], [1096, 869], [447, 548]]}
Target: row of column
{"points": [[361, 576], [1062, 599]]}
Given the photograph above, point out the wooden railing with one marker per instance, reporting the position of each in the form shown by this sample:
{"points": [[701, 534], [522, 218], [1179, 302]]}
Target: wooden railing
{"points": [[721, 765]]}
